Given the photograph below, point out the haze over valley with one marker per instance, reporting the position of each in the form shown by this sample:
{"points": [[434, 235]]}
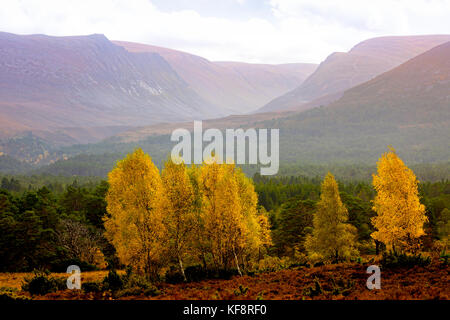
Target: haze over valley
{"points": [[62, 98]]}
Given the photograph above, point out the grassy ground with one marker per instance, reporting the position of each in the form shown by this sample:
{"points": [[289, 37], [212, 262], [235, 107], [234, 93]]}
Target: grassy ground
{"points": [[341, 281], [14, 280]]}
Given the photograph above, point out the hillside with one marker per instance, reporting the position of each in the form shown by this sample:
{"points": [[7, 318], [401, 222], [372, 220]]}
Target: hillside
{"points": [[83, 89], [87, 81], [341, 71], [233, 86], [407, 107], [9, 165], [416, 92]]}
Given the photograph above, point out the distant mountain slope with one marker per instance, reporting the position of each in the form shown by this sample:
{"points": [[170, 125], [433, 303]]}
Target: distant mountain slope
{"points": [[416, 92], [29, 149], [407, 107], [341, 71], [9, 165], [233, 86], [48, 83]]}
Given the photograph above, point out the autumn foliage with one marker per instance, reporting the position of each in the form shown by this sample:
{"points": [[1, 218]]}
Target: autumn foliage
{"points": [[400, 215], [203, 215], [332, 238], [135, 206], [207, 216], [202, 224]]}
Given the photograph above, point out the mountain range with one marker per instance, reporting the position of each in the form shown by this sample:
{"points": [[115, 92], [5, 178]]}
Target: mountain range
{"points": [[341, 71], [406, 106], [234, 87], [49, 83], [59, 88]]}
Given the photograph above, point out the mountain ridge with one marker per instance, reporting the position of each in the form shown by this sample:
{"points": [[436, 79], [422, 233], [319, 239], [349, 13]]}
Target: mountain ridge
{"points": [[237, 87], [341, 71], [60, 88], [87, 81], [407, 107]]}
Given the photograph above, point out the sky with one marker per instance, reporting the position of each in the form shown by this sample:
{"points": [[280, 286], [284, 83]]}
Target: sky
{"points": [[256, 31]]}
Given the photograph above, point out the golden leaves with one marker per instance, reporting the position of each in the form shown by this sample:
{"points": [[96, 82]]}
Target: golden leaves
{"points": [[400, 215], [135, 206], [332, 238], [208, 211]]}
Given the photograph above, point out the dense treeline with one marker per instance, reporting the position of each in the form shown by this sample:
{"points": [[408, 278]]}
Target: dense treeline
{"points": [[99, 161], [40, 214], [205, 215], [362, 171], [56, 184], [45, 229], [291, 201]]}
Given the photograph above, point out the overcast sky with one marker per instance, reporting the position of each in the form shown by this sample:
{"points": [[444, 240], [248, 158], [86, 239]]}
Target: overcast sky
{"points": [[261, 31]]}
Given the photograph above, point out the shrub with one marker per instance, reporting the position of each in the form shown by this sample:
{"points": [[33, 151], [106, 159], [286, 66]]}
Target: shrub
{"points": [[198, 273], [403, 260], [241, 291], [131, 284], [129, 292], [42, 283], [94, 286], [270, 264], [260, 295], [137, 291], [61, 283], [174, 276], [224, 274], [318, 264], [61, 266], [113, 281], [314, 290], [11, 294], [137, 281], [334, 287], [359, 260], [151, 291], [342, 286], [367, 247], [443, 258], [300, 259]]}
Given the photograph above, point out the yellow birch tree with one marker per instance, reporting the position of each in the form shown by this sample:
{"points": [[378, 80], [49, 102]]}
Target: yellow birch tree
{"points": [[332, 238], [221, 212], [400, 215], [257, 225], [231, 226], [179, 217], [134, 224]]}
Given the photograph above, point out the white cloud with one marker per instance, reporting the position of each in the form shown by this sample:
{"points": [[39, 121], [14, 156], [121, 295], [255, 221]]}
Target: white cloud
{"points": [[300, 31]]}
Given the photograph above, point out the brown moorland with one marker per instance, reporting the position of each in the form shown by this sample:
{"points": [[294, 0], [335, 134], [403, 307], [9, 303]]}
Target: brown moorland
{"points": [[330, 282]]}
